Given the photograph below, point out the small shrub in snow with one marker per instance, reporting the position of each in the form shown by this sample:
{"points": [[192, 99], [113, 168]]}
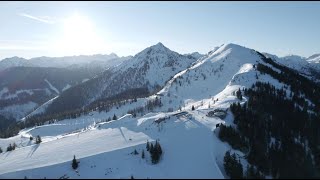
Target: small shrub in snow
{"points": [[11, 147], [38, 140]]}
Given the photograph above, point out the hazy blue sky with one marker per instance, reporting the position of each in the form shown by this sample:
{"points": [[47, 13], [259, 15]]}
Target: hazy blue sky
{"points": [[31, 29]]}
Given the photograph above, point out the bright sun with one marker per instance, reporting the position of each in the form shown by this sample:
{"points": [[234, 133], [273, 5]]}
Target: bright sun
{"points": [[79, 36]]}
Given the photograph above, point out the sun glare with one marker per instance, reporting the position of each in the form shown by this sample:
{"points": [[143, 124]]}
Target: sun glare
{"points": [[79, 36]]}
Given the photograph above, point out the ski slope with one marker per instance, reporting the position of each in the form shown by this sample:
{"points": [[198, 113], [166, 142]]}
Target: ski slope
{"points": [[109, 144]]}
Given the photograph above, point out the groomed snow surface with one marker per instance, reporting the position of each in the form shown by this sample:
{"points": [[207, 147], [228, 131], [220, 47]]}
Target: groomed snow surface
{"points": [[104, 150]]}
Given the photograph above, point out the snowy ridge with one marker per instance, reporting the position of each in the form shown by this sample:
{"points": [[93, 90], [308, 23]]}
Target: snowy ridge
{"points": [[61, 62], [314, 58], [159, 61], [209, 75], [305, 67], [195, 55], [149, 69], [13, 62]]}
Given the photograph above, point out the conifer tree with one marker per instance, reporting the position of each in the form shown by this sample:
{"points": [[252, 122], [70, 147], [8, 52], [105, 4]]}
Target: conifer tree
{"points": [[252, 173], [142, 154], [114, 117], [159, 149], [135, 152], [155, 152], [74, 163], [192, 108], [239, 95], [151, 148], [232, 166], [148, 146]]}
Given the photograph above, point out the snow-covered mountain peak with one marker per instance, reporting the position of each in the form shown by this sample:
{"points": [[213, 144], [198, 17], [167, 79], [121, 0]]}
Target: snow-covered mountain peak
{"points": [[159, 47], [113, 55], [314, 58], [234, 50], [234, 47], [296, 62], [230, 47], [160, 56], [293, 57], [157, 58], [156, 49], [13, 59], [159, 44], [13, 62]]}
